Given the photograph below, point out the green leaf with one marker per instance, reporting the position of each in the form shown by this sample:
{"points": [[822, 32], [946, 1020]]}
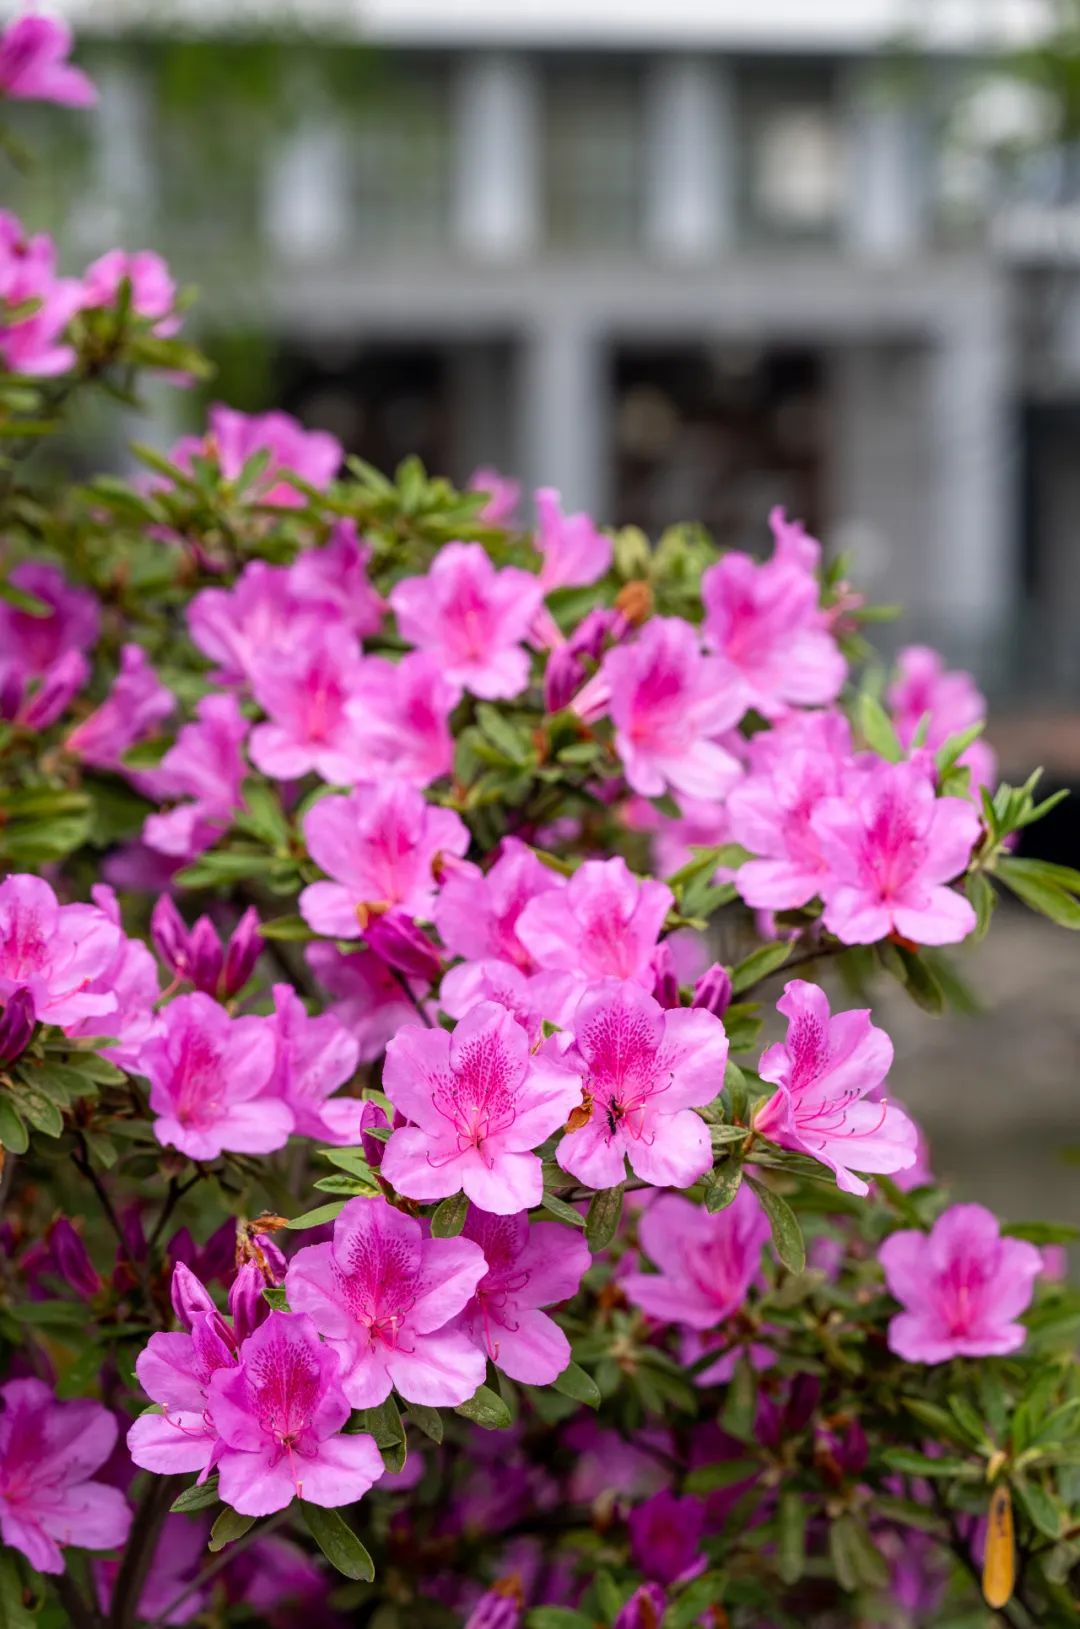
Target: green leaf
{"points": [[341, 1182], [576, 1383], [910, 1463], [13, 1613], [856, 1560], [722, 1185], [338, 1543], [791, 1536], [292, 929], [694, 1600], [558, 1617], [485, 1408], [13, 1133], [316, 1218], [921, 982], [229, 1526], [1040, 1232], [602, 1222], [1040, 1509], [40, 1110], [724, 1473], [878, 730], [448, 1219], [759, 964], [507, 740], [383, 1422], [565, 1213], [955, 747], [196, 1497], [427, 1420], [787, 1235], [740, 1404], [1045, 897], [28, 604], [352, 1160]]}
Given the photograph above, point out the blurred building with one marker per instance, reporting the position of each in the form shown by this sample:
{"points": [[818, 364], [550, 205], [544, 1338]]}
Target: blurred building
{"points": [[682, 258]]}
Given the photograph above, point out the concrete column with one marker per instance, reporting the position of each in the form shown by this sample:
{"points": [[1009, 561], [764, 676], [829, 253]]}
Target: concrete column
{"points": [[691, 151], [886, 206], [306, 211], [565, 415], [498, 119]]}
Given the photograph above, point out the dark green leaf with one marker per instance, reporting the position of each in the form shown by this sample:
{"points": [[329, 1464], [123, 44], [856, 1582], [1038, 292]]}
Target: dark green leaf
{"points": [[982, 898], [878, 730], [722, 1185], [338, 1543], [787, 1235], [317, 1217], [602, 1222], [448, 1219], [791, 1536], [565, 1213], [13, 1613], [759, 964], [1040, 1509], [910, 1463], [557, 1617], [228, 1527], [289, 928], [487, 1409], [196, 1497], [427, 1420], [13, 1133], [576, 1383], [341, 1182]]}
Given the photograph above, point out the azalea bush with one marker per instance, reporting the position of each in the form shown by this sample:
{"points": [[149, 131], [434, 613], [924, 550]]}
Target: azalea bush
{"points": [[450, 1175]]}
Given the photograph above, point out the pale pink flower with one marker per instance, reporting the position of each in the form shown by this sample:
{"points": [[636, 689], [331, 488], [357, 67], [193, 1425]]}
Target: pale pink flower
{"points": [[400, 718], [962, 1287], [670, 706], [137, 703], [257, 616], [56, 952], [645, 1071], [502, 492], [472, 618], [949, 701], [767, 626], [604, 923], [305, 693], [279, 1414], [575, 552], [34, 66], [823, 1072], [387, 1300], [204, 770], [233, 438], [477, 912], [379, 844], [28, 272], [314, 1056], [153, 292], [891, 847], [528, 1267], [335, 577], [210, 1081], [49, 1451], [372, 1004], [131, 978], [479, 1103], [799, 762], [706, 1263]]}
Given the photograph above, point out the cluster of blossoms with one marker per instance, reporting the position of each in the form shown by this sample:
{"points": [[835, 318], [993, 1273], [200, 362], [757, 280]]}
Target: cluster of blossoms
{"points": [[504, 842]]}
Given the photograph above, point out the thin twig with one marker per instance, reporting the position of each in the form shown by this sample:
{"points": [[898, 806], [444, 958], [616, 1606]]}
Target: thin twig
{"points": [[140, 1550], [425, 1018], [82, 1613], [219, 1563], [177, 1190]]}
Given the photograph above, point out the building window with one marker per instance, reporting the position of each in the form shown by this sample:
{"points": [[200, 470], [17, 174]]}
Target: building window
{"points": [[795, 172], [593, 154], [399, 158]]}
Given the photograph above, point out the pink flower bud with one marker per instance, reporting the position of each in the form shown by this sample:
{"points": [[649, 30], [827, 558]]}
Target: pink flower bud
{"points": [[498, 1608], [372, 1115], [644, 1610], [247, 1304], [665, 979], [402, 945], [190, 1297], [274, 1261], [16, 1024], [71, 1259], [241, 954], [713, 990]]}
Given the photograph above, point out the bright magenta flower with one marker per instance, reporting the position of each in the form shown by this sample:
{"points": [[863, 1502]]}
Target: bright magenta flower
{"points": [[477, 911], [528, 1267], [34, 66], [233, 438], [34, 343], [153, 292], [56, 952], [137, 703]]}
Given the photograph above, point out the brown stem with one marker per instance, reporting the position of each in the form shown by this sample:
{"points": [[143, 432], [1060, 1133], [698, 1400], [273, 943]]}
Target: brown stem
{"points": [[139, 1551], [82, 1613]]}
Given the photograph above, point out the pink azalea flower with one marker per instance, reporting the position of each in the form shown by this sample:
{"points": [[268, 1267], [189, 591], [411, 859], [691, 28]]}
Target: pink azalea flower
{"points": [[35, 703], [604, 923], [305, 693], [950, 701], [279, 1415], [131, 979], [479, 1102], [387, 1299], [503, 494], [314, 1057], [530, 997], [205, 769], [372, 1004], [962, 1287], [237, 626], [767, 626], [665, 1537], [49, 1451], [34, 66], [400, 712], [477, 912], [153, 292], [707, 1263], [645, 1071], [210, 1081], [472, 618], [175, 1369], [891, 847], [28, 272], [137, 703], [55, 952], [335, 578], [670, 705], [35, 643], [575, 553], [823, 1071], [234, 437], [379, 844], [527, 1268], [800, 762]]}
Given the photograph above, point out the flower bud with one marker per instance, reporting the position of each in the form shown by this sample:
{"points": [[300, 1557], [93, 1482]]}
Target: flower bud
{"points": [[16, 1024], [190, 1297], [402, 945], [372, 1115], [71, 1259], [713, 990], [247, 1304], [644, 1609], [270, 1258], [665, 980], [499, 1607], [241, 954]]}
